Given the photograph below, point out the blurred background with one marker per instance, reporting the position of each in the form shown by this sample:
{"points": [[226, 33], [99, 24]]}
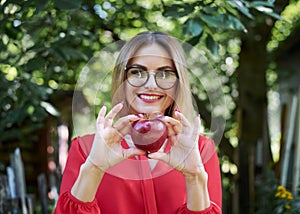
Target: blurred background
{"points": [[253, 46]]}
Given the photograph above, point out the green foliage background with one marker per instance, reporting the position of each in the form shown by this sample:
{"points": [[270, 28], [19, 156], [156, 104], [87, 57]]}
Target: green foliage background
{"points": [[44, 44]]}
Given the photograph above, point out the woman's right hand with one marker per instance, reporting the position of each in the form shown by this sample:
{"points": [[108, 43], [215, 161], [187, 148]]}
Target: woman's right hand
{"points": [[107, 150]]}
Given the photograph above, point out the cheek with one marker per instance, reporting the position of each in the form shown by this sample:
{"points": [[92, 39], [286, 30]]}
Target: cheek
{"points": [[169, 99], [171, 95], [129, 92]]}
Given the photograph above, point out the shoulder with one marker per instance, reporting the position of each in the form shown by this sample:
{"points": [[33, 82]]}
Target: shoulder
{"points": [[205, 142], [84, 143]]}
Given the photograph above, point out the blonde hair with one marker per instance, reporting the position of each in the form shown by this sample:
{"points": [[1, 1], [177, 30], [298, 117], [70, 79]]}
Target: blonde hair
{"points": [[183, 96]]}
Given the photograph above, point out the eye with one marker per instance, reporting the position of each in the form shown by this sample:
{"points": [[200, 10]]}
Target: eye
{"points": [[136, 72], [166, 74]]}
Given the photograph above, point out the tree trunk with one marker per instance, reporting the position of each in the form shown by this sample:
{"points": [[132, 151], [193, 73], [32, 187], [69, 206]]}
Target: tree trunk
{"points": [[252, 108]]}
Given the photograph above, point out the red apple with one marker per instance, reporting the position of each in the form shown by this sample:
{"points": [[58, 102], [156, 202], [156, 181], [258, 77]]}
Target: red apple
{"points": [[149, 134]]}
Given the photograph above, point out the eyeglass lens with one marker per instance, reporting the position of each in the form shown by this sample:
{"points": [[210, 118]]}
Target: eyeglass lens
{"points": [[164, 79]]}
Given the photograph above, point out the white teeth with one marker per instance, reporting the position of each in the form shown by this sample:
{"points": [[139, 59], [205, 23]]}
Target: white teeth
{"points": [[146, 97]]}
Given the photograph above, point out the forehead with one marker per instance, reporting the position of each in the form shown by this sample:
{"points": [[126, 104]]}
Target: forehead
{"points": [[152, 49], [153, 54]]}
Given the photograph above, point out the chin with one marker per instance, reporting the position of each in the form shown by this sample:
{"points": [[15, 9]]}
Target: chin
{"points": [[147, 109]]}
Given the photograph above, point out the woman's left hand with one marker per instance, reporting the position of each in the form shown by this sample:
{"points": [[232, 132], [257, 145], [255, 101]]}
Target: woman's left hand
{"points": [[184, 155]]}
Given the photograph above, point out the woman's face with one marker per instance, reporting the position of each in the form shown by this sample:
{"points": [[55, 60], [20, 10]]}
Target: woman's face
{"points": [[150, 98]]}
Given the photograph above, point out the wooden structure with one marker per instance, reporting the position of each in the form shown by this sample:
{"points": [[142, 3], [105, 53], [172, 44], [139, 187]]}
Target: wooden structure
{"points": [[41, 158], [289, 81]]}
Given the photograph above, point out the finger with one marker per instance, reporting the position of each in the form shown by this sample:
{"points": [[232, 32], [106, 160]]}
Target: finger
{"points": [[101, 115], [173, 139], [185, 122], [124, 124], [125, 121], [170, 120], [159, 156], [174, 126], [186, 125], [127, 153], [113, 113], [170, 129], [197, 125]]}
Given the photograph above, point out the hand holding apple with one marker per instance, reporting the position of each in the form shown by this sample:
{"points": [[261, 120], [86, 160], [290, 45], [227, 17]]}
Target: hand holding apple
{"points": [[184, 154], [106, 150]]}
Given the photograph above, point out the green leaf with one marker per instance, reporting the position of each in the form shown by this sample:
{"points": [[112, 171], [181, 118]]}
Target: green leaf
{"points": [[39, 115], [194, 40], [261, 3], [241, 7], [210, 10], [67, 4], [178, 11], [222, 21], [192, 27], [212, 45], [12, 117], [233, 23], [14, 2], [213, 21], [69, 53], [268, 11], [22, 116], [275, 15], [35, 64]]}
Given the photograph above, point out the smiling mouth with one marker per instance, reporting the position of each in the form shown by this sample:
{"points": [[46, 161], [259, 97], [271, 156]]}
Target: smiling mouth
{"points": [[149, 98]]}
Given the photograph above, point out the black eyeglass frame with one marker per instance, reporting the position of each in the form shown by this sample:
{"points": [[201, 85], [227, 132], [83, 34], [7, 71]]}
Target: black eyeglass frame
{"points": [[148, 76]]}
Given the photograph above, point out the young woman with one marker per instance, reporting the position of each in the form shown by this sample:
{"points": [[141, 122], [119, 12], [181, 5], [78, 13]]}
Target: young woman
{"points": [[106, 173]]}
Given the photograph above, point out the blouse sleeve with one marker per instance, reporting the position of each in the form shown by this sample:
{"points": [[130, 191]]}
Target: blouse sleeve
{"points": [[212, 209], [211, 164], [68, 204]]}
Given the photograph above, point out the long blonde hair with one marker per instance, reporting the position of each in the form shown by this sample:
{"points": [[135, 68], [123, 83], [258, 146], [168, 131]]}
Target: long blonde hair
{"points": [[183, 96]]}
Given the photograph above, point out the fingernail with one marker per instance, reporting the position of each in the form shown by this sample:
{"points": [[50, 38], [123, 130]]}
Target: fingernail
{"points": [[103, 105]]}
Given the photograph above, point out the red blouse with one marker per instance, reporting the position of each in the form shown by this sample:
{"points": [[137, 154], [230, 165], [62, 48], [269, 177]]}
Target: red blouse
{"points": [[132, 188]]}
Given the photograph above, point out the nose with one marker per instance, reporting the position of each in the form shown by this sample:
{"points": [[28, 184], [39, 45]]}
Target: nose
{"points": [[151, 83]]}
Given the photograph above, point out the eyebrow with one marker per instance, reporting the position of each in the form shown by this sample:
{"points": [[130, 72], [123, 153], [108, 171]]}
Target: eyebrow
{"points": [[159, 68]]}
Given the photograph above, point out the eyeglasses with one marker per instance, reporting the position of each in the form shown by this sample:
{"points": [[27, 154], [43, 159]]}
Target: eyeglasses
{"points": [[138, 76]]}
